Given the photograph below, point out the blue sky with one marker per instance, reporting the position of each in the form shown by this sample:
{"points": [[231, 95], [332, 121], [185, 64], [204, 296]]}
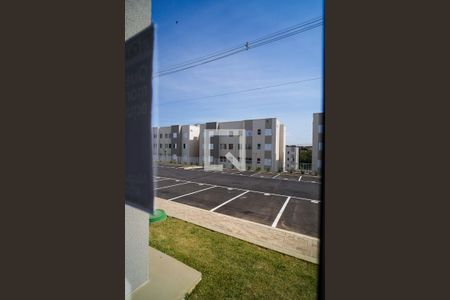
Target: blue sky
{"points": [[206, 26]]}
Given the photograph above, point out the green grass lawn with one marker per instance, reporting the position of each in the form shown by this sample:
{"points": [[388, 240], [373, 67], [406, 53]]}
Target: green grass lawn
{"points": [[232, 268]]}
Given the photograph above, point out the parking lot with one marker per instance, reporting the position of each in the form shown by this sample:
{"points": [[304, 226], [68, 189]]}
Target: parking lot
{"points": [[284, 201]]}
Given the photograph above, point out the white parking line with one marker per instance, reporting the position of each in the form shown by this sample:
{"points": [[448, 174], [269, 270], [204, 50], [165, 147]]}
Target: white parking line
{"points": [[254, 174], [274, 224], [276, 175], [159, 179], [195, 192], [163, 187], [253, 191], [228, 201], [300, 178]]}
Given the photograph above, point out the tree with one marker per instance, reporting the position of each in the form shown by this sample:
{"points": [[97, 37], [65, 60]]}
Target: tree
{"points": [[305, 155]]}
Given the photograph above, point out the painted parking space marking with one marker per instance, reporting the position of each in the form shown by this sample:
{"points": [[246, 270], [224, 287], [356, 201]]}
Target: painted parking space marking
{"points": [[228, 201], [195, 192], [254, 207], [259, 174], [163, 179], [169, 186], [301, 217], [275, 222], [253, 191]]}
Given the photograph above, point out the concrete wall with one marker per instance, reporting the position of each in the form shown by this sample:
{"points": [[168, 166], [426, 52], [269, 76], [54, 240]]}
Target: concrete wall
{"points": [[292, 157], [282, 147], [190, 143], [137, 17], [317, 142]]}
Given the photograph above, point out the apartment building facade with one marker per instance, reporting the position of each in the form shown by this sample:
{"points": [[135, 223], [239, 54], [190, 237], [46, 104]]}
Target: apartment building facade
{"points": [[317, 147], [190, 144], [292, 157], [264, 143], [176, 143]]}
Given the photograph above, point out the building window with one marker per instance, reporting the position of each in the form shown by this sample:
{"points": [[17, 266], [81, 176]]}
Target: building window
{"points": [[230, 133], [175, 135], [224, 146], [230, 146], [211, 146], [185, 135], [258, 147], [248, 132], [268, 147], [223, 159], [160, 135], [248, 160], [248, 147], [170, 146], [184, 146], [174, 146], [267, 162], [258, 160], [160, 145], [165, 146], [268, 132], [166, 135], [259, 131], [239, 146], [320, 146], [320, 128], [154, 135], [288, 152], [319, 164]]}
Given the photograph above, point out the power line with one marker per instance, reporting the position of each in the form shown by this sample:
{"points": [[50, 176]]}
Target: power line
{"points": [[267, 39], [309, 25], [241, 91], [210, 55]]}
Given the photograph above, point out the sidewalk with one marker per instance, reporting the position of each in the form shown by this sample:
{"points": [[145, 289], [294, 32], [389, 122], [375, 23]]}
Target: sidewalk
{"points": [[290, 243], [169, 279]]}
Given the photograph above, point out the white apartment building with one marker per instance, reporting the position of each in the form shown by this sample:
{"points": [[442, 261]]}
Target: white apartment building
{"points": [[190, 144], [176, 143], [292, 157], [317, 143], [264, 144]]}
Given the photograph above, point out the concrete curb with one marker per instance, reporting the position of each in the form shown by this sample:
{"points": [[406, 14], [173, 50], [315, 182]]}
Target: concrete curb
{"points": [[287, 242]]}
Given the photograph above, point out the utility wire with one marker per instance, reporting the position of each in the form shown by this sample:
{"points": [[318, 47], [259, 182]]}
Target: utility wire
{"points": [[259, 42], [241, 45], [273, 37], [241, 91]]}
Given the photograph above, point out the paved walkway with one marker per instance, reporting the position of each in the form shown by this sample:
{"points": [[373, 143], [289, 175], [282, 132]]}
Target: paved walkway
{"points": [[170, 279], [291, 243]]}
